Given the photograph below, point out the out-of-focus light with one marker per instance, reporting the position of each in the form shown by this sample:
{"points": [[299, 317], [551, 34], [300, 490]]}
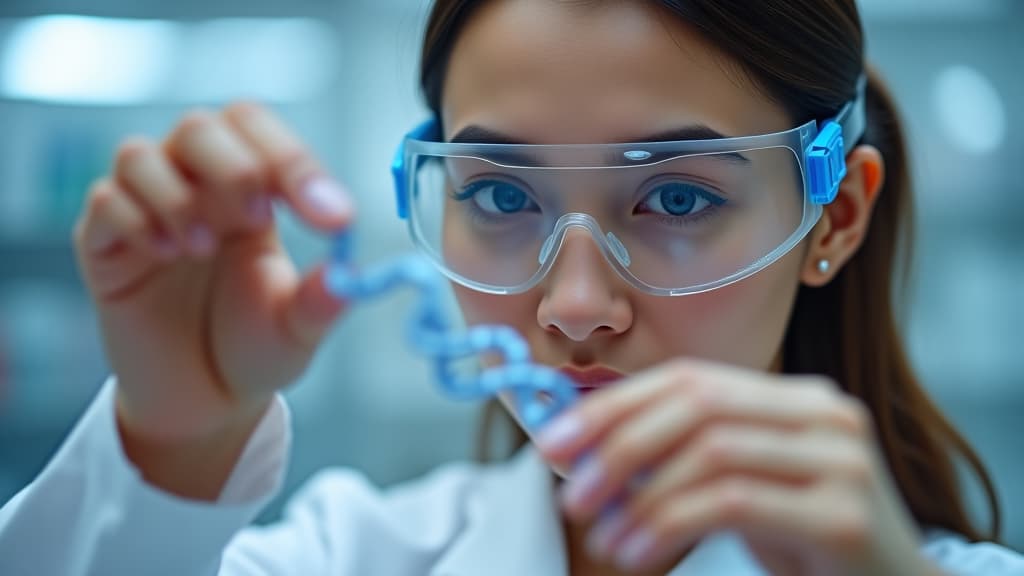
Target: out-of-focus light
{"points": [[279, 59], [970, 110], [87, 60]]}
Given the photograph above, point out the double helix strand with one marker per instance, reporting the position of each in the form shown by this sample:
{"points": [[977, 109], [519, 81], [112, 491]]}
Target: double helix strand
{"points": [[540, 393], [429, 333]]}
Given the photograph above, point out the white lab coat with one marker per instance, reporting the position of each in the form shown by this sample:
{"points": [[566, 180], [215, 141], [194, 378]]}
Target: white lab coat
{"points": [[90, 513]]}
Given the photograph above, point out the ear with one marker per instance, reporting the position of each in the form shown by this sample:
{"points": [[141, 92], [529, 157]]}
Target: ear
{"points": [[840, 232]]}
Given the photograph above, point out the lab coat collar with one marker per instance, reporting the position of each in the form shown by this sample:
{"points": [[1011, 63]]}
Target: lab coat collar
{"points": [[513, 528]]}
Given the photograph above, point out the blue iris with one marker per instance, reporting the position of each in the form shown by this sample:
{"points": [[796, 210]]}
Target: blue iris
{"points": [[678, 200], [681, 199], [508, 198]]}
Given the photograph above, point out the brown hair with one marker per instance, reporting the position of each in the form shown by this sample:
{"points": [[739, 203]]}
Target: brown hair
{"points": [[808, 55]]}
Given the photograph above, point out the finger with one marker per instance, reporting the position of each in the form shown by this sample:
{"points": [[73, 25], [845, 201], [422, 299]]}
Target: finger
{"points": [[715, 392], [774, 455], [310, 312], [749, 505], [113, 241], [626, 452], [147, 175], [234, 188], [563, 439], [673, 438], [294, 172]]}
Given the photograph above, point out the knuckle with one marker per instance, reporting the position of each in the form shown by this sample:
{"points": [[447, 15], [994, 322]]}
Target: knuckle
{"points": [[130, 151], [858, 467], [100, 191], [246, 176], [849, 532], [98, 198], [684, 373], [293, 165], [175, 207], [704, 392], [193, 122], [734, 500], [682, 370], [852, 413], [243, 110], [822, 387], [715, 448]]}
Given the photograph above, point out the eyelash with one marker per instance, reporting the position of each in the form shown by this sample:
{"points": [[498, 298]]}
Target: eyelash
{"points": [[478, 214], [714, 202]]}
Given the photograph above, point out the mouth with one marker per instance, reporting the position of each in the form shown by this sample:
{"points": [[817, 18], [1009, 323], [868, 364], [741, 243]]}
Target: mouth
{"points": [[591, 379]]}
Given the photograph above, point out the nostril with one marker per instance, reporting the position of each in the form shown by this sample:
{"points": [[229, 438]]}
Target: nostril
{"points": [[580, 330]]}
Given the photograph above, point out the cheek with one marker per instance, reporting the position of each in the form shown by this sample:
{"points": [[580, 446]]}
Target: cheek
{"points": [[742, 324], [518, 311]]}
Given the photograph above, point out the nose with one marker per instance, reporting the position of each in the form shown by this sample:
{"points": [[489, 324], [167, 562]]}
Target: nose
{"points": [[583, 295]]}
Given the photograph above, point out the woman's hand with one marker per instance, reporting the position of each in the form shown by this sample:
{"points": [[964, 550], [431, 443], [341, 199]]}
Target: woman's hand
{"points": [[690, 448], [203, 313]]}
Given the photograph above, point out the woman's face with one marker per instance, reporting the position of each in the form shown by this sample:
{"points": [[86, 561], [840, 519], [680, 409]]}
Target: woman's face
{"points": [[552, 72]]}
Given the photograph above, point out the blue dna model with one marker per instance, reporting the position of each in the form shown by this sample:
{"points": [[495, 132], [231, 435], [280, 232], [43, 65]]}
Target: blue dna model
{"points": [[540, 393]]}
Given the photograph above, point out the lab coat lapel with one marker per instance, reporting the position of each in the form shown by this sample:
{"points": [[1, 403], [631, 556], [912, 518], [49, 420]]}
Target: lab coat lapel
{"points": [[512, 526]]}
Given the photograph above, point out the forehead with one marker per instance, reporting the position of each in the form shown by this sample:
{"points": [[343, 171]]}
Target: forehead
{"points": [[573, 72]]}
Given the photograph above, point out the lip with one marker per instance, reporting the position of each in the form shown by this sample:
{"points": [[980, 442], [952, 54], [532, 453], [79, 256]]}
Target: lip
{"points": [[593, 378]]}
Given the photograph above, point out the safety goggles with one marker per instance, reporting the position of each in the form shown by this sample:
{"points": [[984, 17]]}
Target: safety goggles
{"points": [[671, 218]]}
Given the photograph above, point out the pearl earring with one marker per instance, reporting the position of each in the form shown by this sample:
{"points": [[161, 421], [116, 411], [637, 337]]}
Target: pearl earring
{"points": [[824, 266]]}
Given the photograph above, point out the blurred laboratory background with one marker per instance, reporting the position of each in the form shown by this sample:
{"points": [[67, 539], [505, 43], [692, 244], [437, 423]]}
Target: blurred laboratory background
{"points": [[76, 76]]}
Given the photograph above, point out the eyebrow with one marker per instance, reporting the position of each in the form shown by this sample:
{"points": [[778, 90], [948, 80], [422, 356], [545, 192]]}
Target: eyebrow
{"points": [[474, 134]]}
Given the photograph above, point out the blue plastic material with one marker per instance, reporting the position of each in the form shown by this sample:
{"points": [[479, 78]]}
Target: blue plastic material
{"points": [[826, 163], [429, 334], [398, 173], [424, 131]]}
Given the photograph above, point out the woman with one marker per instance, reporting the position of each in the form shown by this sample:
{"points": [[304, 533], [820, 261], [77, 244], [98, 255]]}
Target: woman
{"points": [[756, 411]]}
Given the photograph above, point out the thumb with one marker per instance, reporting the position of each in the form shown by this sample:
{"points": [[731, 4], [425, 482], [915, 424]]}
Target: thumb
{"points": [[311, 310]]}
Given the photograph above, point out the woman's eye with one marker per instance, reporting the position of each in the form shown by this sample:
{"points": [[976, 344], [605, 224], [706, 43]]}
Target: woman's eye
{"points": [[495, 197], [679, 199]]}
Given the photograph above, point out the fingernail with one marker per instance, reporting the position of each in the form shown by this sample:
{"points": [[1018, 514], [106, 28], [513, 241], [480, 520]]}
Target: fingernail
{"points": [[200, 240], [637, 547], [324, 195], [258, 209], [583, 480], [611, 525], [560, 432]]}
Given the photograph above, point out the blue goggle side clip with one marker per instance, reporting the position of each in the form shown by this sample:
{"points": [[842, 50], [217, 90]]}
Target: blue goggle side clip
{"points": [[425, 131], [826, 156]]}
